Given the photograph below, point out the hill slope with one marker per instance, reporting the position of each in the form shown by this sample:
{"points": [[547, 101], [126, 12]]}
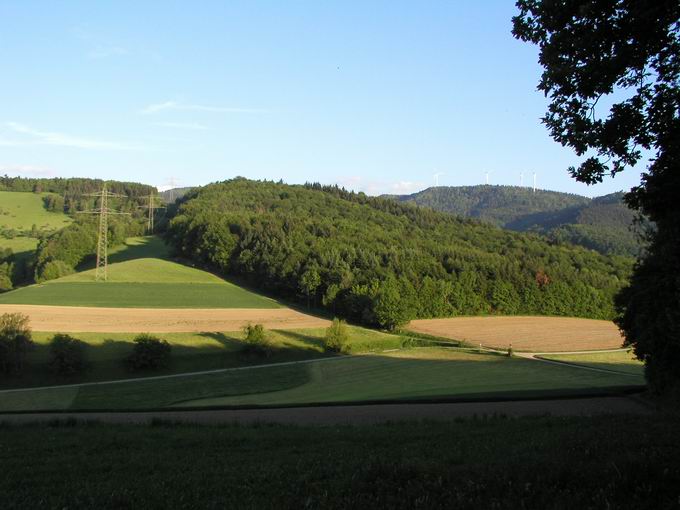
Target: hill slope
{"points": [[20, 211], [384, 263], [149, 282], [603, 224]]}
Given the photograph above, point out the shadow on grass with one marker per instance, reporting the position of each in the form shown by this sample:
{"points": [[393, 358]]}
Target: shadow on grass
{"points": [[106, 360], [314, 342]]}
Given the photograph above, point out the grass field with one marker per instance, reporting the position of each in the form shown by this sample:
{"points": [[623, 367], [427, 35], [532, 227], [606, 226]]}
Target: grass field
{"points": [[628, 462], [409, 374], [20, 211], [536, 334], [190, 352], [141, 277], [138, 295], [620, 361]]}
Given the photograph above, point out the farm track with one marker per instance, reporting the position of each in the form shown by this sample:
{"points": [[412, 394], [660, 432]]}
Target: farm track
{"points": [[72, 319], [531, 334]]}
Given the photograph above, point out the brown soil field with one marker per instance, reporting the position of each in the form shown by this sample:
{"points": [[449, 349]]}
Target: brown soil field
{"points": [[535, 334], [73, 319]]}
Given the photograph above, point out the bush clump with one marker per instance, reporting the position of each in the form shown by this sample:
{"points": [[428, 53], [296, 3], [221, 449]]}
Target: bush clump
{"points": [[67, 355], [256, 341], [148, 353], [52, 270], [336, 338], [15, 342]]}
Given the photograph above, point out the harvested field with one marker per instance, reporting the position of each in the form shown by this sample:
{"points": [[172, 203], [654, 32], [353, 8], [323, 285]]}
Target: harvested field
{"points": [[158, 320], [536, 334]]}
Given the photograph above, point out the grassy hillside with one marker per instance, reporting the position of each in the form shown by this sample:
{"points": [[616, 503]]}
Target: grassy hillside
{"points": [[20, 211], [603, 224], [149, 282], [384, 263]]}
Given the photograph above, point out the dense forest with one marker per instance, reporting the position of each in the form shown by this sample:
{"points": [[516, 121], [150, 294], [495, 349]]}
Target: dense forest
{"points": [[381, 262], [604, 224]]}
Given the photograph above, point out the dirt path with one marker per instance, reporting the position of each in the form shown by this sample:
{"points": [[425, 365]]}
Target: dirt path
{"points": [[359, 414], [158, 320], [544, 334]]}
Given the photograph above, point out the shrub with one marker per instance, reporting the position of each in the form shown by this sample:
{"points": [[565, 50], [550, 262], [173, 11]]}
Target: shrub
{"points": [[52, 270], [149, 352], [15, 342], [336, 339], [67, 355], [256, 341]]}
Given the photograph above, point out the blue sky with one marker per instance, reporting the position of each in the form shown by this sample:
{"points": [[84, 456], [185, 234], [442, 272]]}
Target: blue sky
{"points": [[375, 96]]}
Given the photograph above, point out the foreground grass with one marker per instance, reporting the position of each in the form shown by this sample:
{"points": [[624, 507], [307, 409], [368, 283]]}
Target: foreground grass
{"points": [[410, 374], [620, 361], [599, 462]]}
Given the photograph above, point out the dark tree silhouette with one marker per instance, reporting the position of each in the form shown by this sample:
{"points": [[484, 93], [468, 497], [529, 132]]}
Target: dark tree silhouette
{"points": [[626, 53]]}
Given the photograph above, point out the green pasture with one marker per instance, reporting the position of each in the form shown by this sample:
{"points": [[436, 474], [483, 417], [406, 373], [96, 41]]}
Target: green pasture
{"points": [[147, 270], [20, 211], [619, 361], [140, 276], [406, 374], [138, 295], [423, 373]]}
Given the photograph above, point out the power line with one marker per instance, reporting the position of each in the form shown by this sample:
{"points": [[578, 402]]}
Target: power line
{"points": [[101, 269], [151, 208]]}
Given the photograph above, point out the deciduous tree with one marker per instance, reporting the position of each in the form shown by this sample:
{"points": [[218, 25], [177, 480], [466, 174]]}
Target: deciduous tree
{"points": [[623, 53]]}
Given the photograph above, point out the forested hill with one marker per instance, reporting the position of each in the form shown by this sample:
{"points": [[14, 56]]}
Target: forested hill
{"points": [[381, 262], [602, 224]]}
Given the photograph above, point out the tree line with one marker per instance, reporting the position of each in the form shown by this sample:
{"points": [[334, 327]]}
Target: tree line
{"points": [[383, 263]]}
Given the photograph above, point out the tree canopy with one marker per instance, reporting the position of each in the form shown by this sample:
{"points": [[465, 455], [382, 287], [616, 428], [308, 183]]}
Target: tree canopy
{"points": [[625, 54], [383, 263]]}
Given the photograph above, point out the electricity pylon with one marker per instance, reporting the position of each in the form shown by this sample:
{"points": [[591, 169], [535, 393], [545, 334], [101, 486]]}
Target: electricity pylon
{"points": [[101, 270], [153, 205]]}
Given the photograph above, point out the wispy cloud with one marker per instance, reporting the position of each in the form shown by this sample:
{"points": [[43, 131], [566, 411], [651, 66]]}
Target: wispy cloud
{"points": [[195, 126], [176, 106], [61, 139], [27, 170], [370, 187]]}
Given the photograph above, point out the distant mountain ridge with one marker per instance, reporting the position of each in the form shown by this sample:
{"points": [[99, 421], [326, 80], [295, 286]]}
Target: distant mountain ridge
{"points": [[604, 223]]}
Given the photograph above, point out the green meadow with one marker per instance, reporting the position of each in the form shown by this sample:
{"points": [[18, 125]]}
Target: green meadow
{"points": [[141, 276], [20, 211], [619, 361], [417, 373]]}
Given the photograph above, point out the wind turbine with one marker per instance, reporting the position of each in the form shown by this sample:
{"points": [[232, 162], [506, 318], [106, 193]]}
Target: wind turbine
{"points": [[487, 178], [436, 178], [521, 179], [534, 182]]}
